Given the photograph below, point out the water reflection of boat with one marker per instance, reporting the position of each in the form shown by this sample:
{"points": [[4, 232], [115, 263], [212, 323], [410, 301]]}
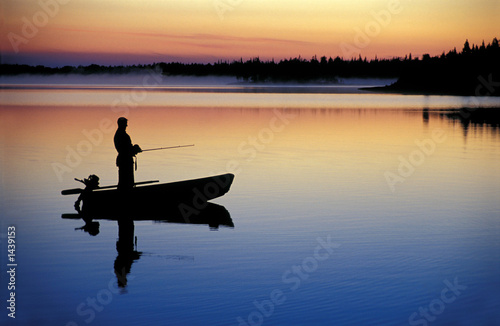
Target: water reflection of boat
{"points": [[189, 196], [211, 214]]}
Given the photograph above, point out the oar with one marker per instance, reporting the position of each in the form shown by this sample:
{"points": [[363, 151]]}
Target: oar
{"points": [[160, 148], [76, 191], [72, 216]]}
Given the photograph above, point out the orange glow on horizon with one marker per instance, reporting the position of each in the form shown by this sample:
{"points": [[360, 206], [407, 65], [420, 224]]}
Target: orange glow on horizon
{"points": [[248, 29]]}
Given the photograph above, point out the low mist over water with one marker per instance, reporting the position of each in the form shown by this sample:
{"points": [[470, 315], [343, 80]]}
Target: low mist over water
{"points": [[153, 78]]}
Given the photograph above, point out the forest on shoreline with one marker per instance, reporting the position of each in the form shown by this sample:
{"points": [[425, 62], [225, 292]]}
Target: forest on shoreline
{"points": [[475, 70]]}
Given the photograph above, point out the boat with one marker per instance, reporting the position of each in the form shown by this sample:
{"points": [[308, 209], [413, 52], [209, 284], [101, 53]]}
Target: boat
{"points": [[188, 196]]}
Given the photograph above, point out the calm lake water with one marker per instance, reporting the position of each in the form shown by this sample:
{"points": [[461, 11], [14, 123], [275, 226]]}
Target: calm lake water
{"points": [[349, 208]]}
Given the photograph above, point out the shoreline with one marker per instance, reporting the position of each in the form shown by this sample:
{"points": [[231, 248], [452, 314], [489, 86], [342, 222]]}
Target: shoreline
{"points": [[391, 90]]}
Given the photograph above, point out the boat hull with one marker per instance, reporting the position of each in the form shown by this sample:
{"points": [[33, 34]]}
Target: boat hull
{"points": [[188, 196]]}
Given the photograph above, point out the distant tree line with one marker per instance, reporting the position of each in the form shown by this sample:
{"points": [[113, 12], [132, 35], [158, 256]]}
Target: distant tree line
{"points": [[292, 69], [473, 71], [253, 70], [455, 72]]}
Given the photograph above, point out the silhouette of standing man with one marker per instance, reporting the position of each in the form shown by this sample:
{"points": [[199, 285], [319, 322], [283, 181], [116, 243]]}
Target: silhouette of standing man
{"points": [[126, 153]]}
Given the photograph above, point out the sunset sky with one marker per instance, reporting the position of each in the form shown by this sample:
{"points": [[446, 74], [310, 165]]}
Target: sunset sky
{"points": [[72, 32]]}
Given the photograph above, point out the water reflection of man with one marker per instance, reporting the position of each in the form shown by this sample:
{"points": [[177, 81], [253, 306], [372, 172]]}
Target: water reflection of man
{"points": [[126, 153], [127, 252]]}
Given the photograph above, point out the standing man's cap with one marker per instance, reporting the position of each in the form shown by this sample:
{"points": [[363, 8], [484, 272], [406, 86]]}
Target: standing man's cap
{"points": [[122, 120]]}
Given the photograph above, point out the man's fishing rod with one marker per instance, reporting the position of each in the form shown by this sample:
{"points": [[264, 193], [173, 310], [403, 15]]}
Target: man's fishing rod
{"points": [[161, 148]]}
